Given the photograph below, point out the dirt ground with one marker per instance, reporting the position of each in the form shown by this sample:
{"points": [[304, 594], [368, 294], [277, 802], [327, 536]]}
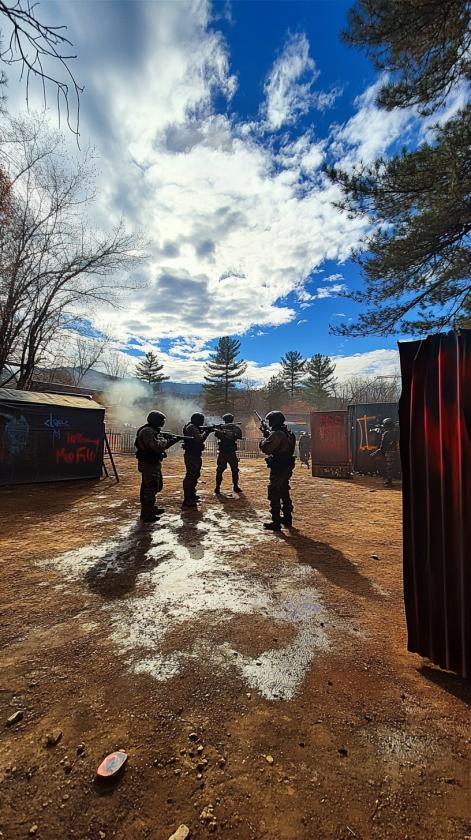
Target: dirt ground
{"points": [[259, 682]]}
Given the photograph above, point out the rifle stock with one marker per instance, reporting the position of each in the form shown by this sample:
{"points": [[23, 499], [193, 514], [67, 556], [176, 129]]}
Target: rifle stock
{"points": [[176, 438]]}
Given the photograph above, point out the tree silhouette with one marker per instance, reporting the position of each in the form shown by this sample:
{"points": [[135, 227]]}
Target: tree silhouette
{"points": [[222, 373], [320, 381], [292, 371], [150, 370]]}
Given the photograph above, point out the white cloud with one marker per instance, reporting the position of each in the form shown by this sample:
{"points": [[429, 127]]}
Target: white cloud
{"points": [[236, 222], [336, 290], [456, 101], [372, 363], [371, 130], [288, 87], [302, 321], [332, 278]]}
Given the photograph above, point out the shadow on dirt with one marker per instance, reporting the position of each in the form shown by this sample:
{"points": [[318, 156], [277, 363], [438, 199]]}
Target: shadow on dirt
{"points": [[330, 563], [238, 507], [61, 496], [451, 683], [116, 575], [189, 535]]}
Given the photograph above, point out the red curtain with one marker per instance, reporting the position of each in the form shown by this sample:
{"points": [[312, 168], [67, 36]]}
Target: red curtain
{"points": [[435, 423]]}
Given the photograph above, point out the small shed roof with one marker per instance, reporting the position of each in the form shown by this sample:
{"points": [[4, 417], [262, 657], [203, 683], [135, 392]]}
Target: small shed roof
{"points": [[10, 395]]}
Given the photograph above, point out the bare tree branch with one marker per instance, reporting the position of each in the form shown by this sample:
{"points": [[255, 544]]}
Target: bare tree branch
{"points": [[54, 267], [34, 46]]}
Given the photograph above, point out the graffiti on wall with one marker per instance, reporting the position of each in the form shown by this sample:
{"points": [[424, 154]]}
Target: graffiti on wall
{"points": [[78, 449], [368, 435], [15, 435]]}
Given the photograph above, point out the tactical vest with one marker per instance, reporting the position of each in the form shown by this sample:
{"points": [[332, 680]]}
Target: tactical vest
{"points": [[147, 456], [193, 447], [229, 442], [280, 460]]}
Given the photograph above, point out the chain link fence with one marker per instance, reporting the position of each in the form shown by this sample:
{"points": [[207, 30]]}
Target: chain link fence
{"points": [[122, 443]]}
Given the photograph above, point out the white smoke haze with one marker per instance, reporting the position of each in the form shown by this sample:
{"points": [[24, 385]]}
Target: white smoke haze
{"points": [[128, 402], [178, 411], [123, 401]]}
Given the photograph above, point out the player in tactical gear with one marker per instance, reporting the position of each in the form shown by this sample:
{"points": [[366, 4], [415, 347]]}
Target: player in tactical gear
{"points": [[388, 448], [151, 449], [278, 445], [227, 436], [304, 448], [193, 457]]}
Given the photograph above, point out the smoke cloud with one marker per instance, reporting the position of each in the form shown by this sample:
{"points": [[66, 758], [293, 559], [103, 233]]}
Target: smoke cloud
{"points": [[128, 403]]}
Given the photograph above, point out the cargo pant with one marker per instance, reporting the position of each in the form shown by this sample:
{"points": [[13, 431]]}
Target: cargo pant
{"points": [[193, 464], [278, 493], [227, 459], [151, 484], [304, 456], [390, 458]]}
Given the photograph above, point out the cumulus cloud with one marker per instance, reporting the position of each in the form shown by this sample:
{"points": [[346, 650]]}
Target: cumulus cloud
{"points": [[236, 222], [372, 363]]}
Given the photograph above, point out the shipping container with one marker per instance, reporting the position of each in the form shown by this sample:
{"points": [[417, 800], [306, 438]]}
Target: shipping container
{"points": [[364, 420], [49, 437], [330, 444]]}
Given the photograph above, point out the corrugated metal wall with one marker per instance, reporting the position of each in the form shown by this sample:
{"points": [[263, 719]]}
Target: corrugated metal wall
{"points": [[435, 422]]}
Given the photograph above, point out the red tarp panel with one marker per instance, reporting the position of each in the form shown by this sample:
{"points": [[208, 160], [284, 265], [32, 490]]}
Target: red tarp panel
{"points": [[329, 444], [435, 423]]}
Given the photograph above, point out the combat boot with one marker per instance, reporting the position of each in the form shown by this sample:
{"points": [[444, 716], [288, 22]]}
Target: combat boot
{"points": [[148, 515], [237, 489], [217, 490], [189, 503], [158, 510], [275, 525], [287, 520]]}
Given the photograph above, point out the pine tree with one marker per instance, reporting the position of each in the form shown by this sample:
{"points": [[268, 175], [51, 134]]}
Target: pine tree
{"points": [[150, 370], [275, 392], [292, 371], [417, 264], [222, 373], [320, 382]]}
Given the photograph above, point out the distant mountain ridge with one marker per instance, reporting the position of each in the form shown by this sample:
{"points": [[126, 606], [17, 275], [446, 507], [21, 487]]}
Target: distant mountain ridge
{"points": [[95, 380]]}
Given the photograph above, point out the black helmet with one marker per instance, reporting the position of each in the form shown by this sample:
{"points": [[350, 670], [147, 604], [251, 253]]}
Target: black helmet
{"points": [[156, 419], [275, 419], [388, 423], [228, 418], [197, 419]]}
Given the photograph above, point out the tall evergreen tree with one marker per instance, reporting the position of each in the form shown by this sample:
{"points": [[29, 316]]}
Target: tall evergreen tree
{"points": [[275, 392], [222, 373], [320, 380], [150, 370], [417, 265], [292, 371]]}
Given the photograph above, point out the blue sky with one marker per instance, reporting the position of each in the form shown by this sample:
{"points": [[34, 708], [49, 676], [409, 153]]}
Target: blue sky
{"points": [[212, 123]]}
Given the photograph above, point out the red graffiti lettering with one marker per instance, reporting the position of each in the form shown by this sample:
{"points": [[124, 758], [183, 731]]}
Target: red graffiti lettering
{"points": [[78, 438], [65, 457], [84, 454]]}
